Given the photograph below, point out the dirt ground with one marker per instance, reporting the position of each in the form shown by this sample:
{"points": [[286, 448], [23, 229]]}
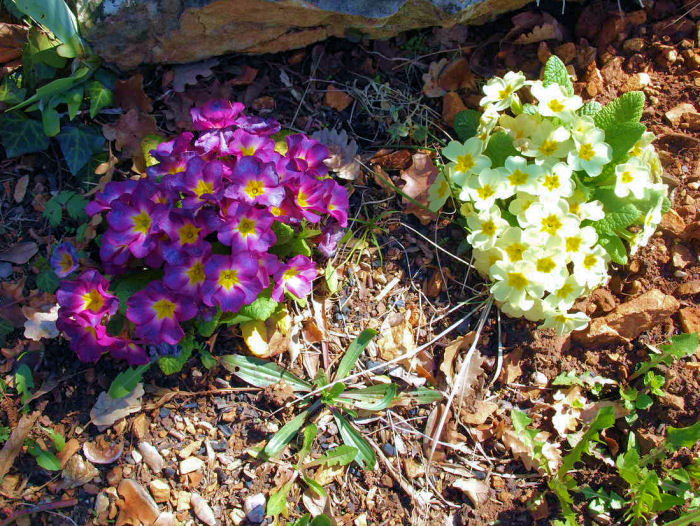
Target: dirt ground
{"points": [[402, 278]]}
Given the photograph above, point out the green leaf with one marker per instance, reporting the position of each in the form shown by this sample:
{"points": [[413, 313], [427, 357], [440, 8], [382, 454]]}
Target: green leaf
{"points": [[78, 144], [55, 15], [56, 87], [372, 398], [617, 221], [20, 135], [421, 395], [331, 275], [59, 441], [207, 328], [353, 353], [50, 120], [100, 97], [466, 124], [603, 420], [207, 359], [321, 520], [10, 91], [4, 434], [285, 233], [622, 136], [6, 328], [260, 310], [47, 281], [126, 381], [644, 401], [24, 382], [614, 247], [73, 99], [677, 438], [302, 521], [315, 485], [679, 346], [126, 285], [310, 433], [340, 456], [555, 73], [44, 458], [352, 437], [53, 211], [627, 108], [500, 147], [261, 373], [174, 364], [590, 108], [277, 503], [76, 207], [284, 436]]}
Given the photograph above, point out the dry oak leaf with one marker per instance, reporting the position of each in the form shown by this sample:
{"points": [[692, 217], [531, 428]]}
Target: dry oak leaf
{"points": [[12, 39], [457, 75], [137, 506], [246, 77], [567, 412], [479, 413], [129, 130], [21, 188], [40, 324], [431, 85], [419, 177], [129, 95], [525, 454], [337, 99], [187, 73], [20, 253], [452, 104]]}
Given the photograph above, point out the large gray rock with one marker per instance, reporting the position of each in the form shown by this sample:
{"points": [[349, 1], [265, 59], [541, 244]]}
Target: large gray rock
{"points": [[133, 32]]}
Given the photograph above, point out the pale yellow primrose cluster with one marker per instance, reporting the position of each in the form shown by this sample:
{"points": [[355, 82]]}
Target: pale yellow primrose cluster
{"points": [[530, 219]]}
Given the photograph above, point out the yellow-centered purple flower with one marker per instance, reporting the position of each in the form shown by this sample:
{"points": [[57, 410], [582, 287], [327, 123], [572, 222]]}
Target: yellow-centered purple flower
{"points": [[64, 260]]}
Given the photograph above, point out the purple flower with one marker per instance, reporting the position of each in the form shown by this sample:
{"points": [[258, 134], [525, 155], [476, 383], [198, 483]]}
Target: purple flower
{"points": [[255, 182], [337, 202], [157, 313], [258, 125], [309, 196], [133, 353], [329, 239], [214, 142], [306, 155], [88, 340], [295, 276], [172, 156], [87, 296], [186, 233], [112, 191], [187, 277], [244, 144], [200, 182], [136, 225], [64, 260], [232, 281], [248, 228], [216, 115]]}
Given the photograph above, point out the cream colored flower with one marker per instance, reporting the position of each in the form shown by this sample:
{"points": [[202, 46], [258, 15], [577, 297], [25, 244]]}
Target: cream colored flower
{"points": [[485, 188], [485, 228], [590, 153], [553, 102], [632, 177], [502, 92]]}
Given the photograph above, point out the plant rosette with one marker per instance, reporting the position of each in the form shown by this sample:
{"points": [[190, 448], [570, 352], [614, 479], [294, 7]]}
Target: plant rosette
{"points": [[552, 192], [225, 225]]}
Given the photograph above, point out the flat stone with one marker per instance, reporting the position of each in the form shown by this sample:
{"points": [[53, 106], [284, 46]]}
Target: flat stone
{"points": [[690, 319], [136, 503], [160, 490], [629, 320], [681, 256], [688, 288], [191, 464], [673, 223], [133, 32]]}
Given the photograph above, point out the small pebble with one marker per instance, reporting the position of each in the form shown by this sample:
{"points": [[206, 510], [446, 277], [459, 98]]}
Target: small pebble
{"points": [[254, 507], [680, 274], [152, 457], [136, 456], [5, 270], [169, 472], [191, 405], [389, 449], [164, 412], [219, 445], [225, 429]]}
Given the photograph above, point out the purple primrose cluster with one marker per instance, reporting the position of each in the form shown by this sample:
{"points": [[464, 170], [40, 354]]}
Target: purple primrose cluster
{"points": [[207, 215]]}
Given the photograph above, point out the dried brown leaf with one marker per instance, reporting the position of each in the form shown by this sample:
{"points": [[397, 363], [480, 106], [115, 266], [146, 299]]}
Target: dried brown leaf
{"points": [[419, 177], [20, 253], [15, 443], [12, 39], [337, 99], [187, 74], [21, 188], [129, 95], [129, 130], [246, 77]]}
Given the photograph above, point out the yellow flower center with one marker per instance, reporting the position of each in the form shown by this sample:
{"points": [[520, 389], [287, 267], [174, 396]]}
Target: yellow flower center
{"points": [[485, 192], [590, 261], [94, 301], [248, 150], [573, 244], [551, 182], [551, 224], [556, 105], [255, 188], [565, 291], [586, 152], [626, 177], [142, 222], [203, 187], [574, 208], [178, 168], [561, 318], [488, 228], [546, 265], [465, 162], [517, 280], [290, 273], [276, 211], [518, 177], [515, 251], [302, 199], [67, 262], [188, 234], [549, 147], [164, 309], [246, 227], [444, 188], [505, 92], [229, 279], [196, 273]]}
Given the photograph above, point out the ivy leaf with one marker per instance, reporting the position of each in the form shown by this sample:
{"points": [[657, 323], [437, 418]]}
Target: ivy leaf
{"points": [[126, 381], [466, 123], [100, 97], [20, 135], [10, 92], [555, 73], [622, 136], [615, 248], [78, 144], [47, 281], [500, 147], [626, 108]]}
